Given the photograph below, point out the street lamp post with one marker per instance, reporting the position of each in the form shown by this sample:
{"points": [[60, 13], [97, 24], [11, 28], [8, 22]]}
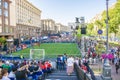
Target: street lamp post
{"points": [[107, 26], [106, 74]]}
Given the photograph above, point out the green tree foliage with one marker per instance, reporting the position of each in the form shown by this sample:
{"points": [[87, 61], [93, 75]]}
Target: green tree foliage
{"points": [[90, 28], [99, 24], [100, 48], [114, 19], [3, 40], [78, 35]]}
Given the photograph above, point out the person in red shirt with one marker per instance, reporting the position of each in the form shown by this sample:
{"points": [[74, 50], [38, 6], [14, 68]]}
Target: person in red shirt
{"points": [[48, 66], [84, 68]]}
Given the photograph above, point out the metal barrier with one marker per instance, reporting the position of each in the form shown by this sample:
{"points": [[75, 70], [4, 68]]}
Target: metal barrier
{"points": [[80, 73]]}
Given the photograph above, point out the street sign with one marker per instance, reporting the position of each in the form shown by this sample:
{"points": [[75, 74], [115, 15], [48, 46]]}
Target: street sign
{"points": [[100, 31]]}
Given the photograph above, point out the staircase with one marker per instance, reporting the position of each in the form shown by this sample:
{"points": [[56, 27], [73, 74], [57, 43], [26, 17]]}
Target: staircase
{"points": [[61, 75]]}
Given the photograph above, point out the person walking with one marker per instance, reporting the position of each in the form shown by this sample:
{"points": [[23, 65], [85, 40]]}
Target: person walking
{"points": [[70, 65], [117, 67]]}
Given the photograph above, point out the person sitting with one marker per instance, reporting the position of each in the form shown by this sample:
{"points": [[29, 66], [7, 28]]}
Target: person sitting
{"points": [[4, 73], [30, 69], [84, 68], [21, 73], [12, 73], [48, 66], [6, 66]]}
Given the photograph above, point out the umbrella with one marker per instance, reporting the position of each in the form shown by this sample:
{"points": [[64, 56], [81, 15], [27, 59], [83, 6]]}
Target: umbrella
{"points": [[103, 55], [109, 56]]}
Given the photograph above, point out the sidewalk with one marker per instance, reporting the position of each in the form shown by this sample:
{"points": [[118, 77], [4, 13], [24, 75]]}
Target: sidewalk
{"points": [[98, 73], [113, 73]]}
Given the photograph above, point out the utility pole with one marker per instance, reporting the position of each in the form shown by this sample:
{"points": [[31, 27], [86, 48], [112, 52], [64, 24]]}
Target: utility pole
{"points": [[106, 74]]}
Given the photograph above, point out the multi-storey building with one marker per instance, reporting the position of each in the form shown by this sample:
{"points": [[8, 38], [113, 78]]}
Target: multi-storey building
{"points": [[62, 28], [58, 25], [48, 26], [67, 29], [7, 18], [27, 19], [19, 18]]}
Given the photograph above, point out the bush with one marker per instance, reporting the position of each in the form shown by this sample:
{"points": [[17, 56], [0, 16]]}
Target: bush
{"points": [[3, 40]]}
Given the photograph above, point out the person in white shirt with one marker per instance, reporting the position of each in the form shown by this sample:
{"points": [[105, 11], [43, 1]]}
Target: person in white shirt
{"points": [[12, 73], [70, 65], [77, 60]]}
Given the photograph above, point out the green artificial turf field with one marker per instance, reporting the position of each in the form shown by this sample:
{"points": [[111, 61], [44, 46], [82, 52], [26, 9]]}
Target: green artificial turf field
{"points": [[52, 50]]}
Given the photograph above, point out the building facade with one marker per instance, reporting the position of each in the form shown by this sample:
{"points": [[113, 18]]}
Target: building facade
{"points": [[27, 19], [62, 28], [48, 26], [7, 18]]}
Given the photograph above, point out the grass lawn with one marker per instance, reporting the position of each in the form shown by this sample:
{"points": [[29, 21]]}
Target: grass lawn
{"points": [[52, 49]]}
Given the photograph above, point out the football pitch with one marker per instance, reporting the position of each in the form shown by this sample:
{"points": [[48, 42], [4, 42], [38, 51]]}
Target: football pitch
{"points": [[52, 50]]}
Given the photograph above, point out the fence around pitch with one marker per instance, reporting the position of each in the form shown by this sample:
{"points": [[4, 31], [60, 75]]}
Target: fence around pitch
{"points": [[54, 56], [47, 57]]}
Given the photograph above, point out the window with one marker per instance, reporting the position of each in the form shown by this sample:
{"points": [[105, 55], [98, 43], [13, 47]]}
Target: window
{"points": [[0, 2], [0, 11], [6, 13], [6, 29], [11, 30], [6, 5]]}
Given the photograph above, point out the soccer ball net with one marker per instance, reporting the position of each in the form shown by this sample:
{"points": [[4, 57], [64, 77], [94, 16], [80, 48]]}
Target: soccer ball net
{"points": [[37, 54]]}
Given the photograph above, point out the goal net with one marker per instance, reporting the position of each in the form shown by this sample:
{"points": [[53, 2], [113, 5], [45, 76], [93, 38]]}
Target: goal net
{"points": [[37, 54]]}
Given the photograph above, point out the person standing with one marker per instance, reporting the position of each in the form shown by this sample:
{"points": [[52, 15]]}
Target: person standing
{"points": [[117, 67], [58, 62], [70, 65], [64, 61]]}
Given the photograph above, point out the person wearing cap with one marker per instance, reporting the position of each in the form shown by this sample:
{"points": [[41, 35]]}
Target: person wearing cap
{"points": [[6, 66]]}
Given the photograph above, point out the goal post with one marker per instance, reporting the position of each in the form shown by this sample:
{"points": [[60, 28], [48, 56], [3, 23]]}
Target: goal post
{"points": [[37, 54]]}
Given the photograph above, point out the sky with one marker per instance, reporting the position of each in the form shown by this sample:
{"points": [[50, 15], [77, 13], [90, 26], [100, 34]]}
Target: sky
{"points": [[65, 11]]}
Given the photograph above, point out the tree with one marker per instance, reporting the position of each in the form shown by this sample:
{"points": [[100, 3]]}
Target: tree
{"points": [[90, 29], [99, 24], [114, 20], [3, 40]]}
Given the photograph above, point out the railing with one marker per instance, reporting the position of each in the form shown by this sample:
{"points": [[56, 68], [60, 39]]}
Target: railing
{"points": [[80, 73], [45, 41]]}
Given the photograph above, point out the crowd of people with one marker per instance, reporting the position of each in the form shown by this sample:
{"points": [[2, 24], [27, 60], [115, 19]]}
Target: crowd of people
{"points": [[113, 50], [24, 70], [116, 60], [65, 62]]}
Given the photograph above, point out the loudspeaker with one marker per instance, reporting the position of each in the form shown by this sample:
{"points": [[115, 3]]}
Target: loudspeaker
{"points": [[77, 27], [83, 30], [16, 42]]}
